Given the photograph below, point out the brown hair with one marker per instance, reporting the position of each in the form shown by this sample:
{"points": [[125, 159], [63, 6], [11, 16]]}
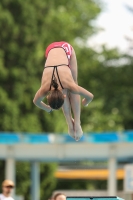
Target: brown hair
{"points": [[58, 194], [56, 97]]}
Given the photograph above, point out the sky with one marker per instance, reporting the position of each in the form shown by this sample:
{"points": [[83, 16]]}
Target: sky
{"points": [[117, 22]]}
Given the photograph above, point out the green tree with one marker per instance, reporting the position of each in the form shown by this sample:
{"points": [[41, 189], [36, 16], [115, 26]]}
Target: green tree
{"points": [[26, 28], [2, 167], [108, 75], [23, 181]]}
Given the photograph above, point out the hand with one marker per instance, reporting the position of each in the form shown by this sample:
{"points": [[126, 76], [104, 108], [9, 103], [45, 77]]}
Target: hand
{"points": [[85, 102], [49, 109]]}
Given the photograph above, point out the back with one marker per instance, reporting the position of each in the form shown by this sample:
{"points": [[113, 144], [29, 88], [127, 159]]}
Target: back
{"points": [[59, 51], [56, 56]]}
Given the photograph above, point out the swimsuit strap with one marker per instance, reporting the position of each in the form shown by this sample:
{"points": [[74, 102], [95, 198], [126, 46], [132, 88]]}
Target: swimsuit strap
{"points": [[58, 76], [62, 65], [57, 65], [53, 76]]}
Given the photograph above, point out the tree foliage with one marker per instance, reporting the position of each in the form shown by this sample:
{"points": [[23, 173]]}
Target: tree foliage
{"points": [[26, 29], [47, 180]]}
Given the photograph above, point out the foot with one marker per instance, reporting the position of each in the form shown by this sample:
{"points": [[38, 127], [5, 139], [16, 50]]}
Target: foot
{"points": [[71, 131], [78, 132], [75, 130]]}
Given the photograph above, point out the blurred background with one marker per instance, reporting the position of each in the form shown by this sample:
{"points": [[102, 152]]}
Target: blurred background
{"points": [[101, 34]]}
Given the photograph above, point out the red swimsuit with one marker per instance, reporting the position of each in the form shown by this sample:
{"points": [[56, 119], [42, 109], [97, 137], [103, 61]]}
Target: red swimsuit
{"points": [[66, 46]]}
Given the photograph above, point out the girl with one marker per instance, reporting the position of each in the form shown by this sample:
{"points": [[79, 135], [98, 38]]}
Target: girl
{"points": [[59, 85]]}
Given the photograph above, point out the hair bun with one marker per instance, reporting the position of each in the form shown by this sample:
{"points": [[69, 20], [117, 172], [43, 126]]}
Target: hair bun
{"points": [[55, 84]]}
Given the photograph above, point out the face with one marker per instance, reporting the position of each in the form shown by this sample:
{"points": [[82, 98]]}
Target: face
{"points": [[7, 189], [61, 197]]}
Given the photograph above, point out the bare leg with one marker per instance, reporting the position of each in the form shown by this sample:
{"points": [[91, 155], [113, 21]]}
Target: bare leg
{"points": [[72, 101], [67, 113], [75, 104], [75, 99]]}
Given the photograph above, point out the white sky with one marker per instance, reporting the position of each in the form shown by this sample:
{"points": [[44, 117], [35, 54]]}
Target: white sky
{"points": [[117, 22]]}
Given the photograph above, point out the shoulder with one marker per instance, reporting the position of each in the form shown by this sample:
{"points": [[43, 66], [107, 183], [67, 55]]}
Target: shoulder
{"points": [[73, 87]]}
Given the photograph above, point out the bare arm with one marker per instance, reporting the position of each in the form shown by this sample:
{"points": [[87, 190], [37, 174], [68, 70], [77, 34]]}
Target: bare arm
{"points": [[75, 89], [39, 96]]}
